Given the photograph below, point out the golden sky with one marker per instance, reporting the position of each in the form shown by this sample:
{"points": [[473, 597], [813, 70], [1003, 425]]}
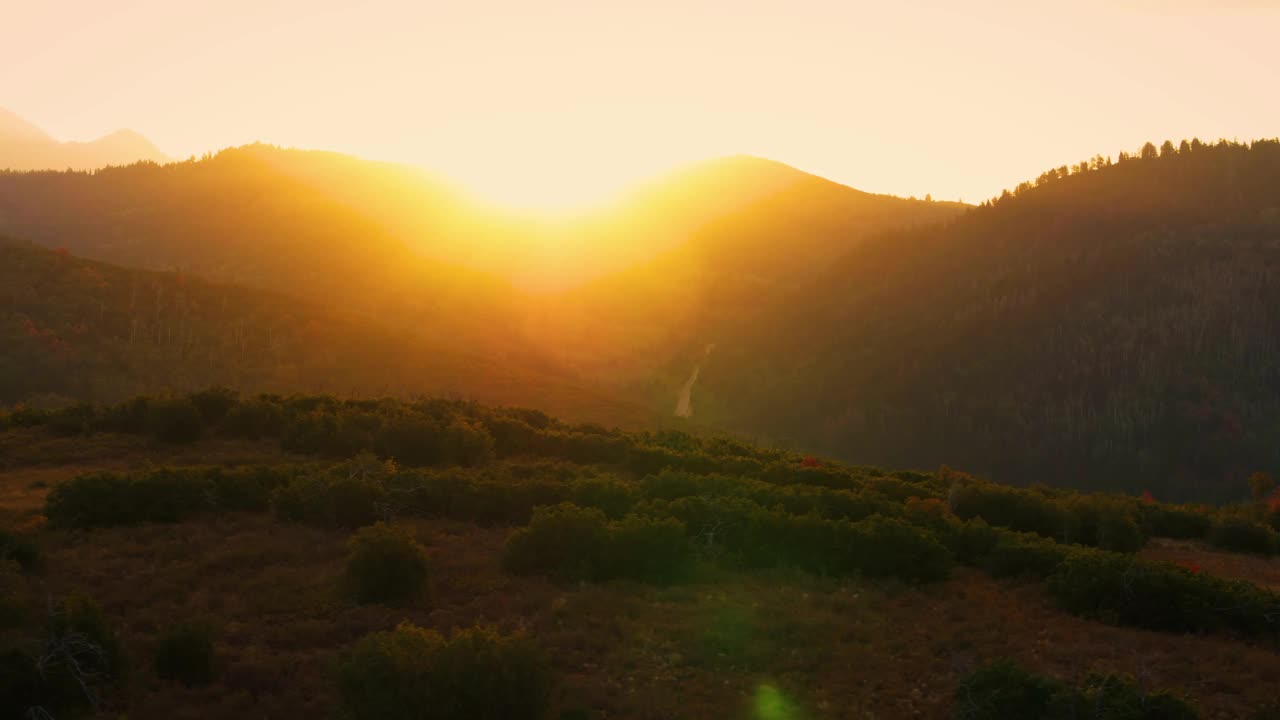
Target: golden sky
{"points": [[557, 102]]}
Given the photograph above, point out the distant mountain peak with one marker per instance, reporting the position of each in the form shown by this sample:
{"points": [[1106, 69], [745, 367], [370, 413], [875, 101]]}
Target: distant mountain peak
{"points": [[13, 127], [24, 146]]}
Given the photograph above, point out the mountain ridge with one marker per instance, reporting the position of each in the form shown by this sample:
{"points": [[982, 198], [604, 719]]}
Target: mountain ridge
{"points": [[24, 146]]}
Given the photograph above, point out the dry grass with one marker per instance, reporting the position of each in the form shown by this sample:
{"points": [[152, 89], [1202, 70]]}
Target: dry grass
{"points": [[837, 649], [33, 461], [1264, 571]]}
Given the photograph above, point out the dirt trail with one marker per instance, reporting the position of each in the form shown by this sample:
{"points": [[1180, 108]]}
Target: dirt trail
{"points": [[684, 404]]}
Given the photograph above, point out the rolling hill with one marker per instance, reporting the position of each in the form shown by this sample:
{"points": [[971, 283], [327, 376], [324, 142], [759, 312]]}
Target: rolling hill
{"points": [[73, 329], [395, 243], [1111, 325]]}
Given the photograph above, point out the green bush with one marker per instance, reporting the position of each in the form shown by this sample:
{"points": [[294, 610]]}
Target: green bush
{"points": [[175, 421], [647, 549], [185, 653], [78, 660], [132, 416], [565, 541], [608, 494], [74, 420], [1014, 508], [1239, 534], [1024, 555], [890, 547], [254, 419], [104, 499], [970, 540], [21, 551], [1001, 690], [214, 403], [327, 434], [415, 674], [385, 564], [1102, 522], [1173, 521], [1129, 591], [1118, 697], [411, 440], [339, 498], [247, 489]]}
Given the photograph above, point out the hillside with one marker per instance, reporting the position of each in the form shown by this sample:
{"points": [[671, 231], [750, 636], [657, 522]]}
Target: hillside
{"points": [[217, 556], [657, 315], [1108, 326], [666, 262], [24, 146], [73, 329]]}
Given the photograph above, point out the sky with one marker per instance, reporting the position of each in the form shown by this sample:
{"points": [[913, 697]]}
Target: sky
{"points": [[555, 103]]}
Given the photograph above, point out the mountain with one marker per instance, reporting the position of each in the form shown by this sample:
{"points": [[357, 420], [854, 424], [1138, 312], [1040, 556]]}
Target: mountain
{"points": [[24, 146], [255, 216], [397, 242], [72, 328], [1108, 326], [644, 325]]}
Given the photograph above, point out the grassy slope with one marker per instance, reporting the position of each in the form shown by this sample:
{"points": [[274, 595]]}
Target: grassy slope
{"points": [[836, 648]]}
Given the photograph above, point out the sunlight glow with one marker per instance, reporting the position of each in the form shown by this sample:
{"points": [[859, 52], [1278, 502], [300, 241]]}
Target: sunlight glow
{"points": [[771, 704]]}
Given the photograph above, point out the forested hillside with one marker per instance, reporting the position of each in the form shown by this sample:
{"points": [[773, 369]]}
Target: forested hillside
{"points": [[247, 216], [73, 329], [1110, 325], [642, 320]]}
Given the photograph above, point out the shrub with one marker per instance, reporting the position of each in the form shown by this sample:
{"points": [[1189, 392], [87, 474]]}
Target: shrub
{"points": [[326, 434], [385, 564], [185, 653], [132, 416], [411, 440], [254, 419], [1118, 697], [415, 674], [1130, 591], [340, 498], [104, 499], [68, 670], [1107, 523], [21, 551], [971, 540], [1013, 508], [652, 550], [608, 494], [565, 541], [175, 421], [214, 403], [247, 489], [1173, 521], [1239, 534], [467, 444], [1001, 690], [1024, 555], [73, 420], [891, 547]]}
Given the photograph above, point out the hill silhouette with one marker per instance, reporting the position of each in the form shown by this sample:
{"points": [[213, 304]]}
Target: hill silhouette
{"points": [[1109, 325], [74, 329], [24, 146], [406, 247], [657, 314]]}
